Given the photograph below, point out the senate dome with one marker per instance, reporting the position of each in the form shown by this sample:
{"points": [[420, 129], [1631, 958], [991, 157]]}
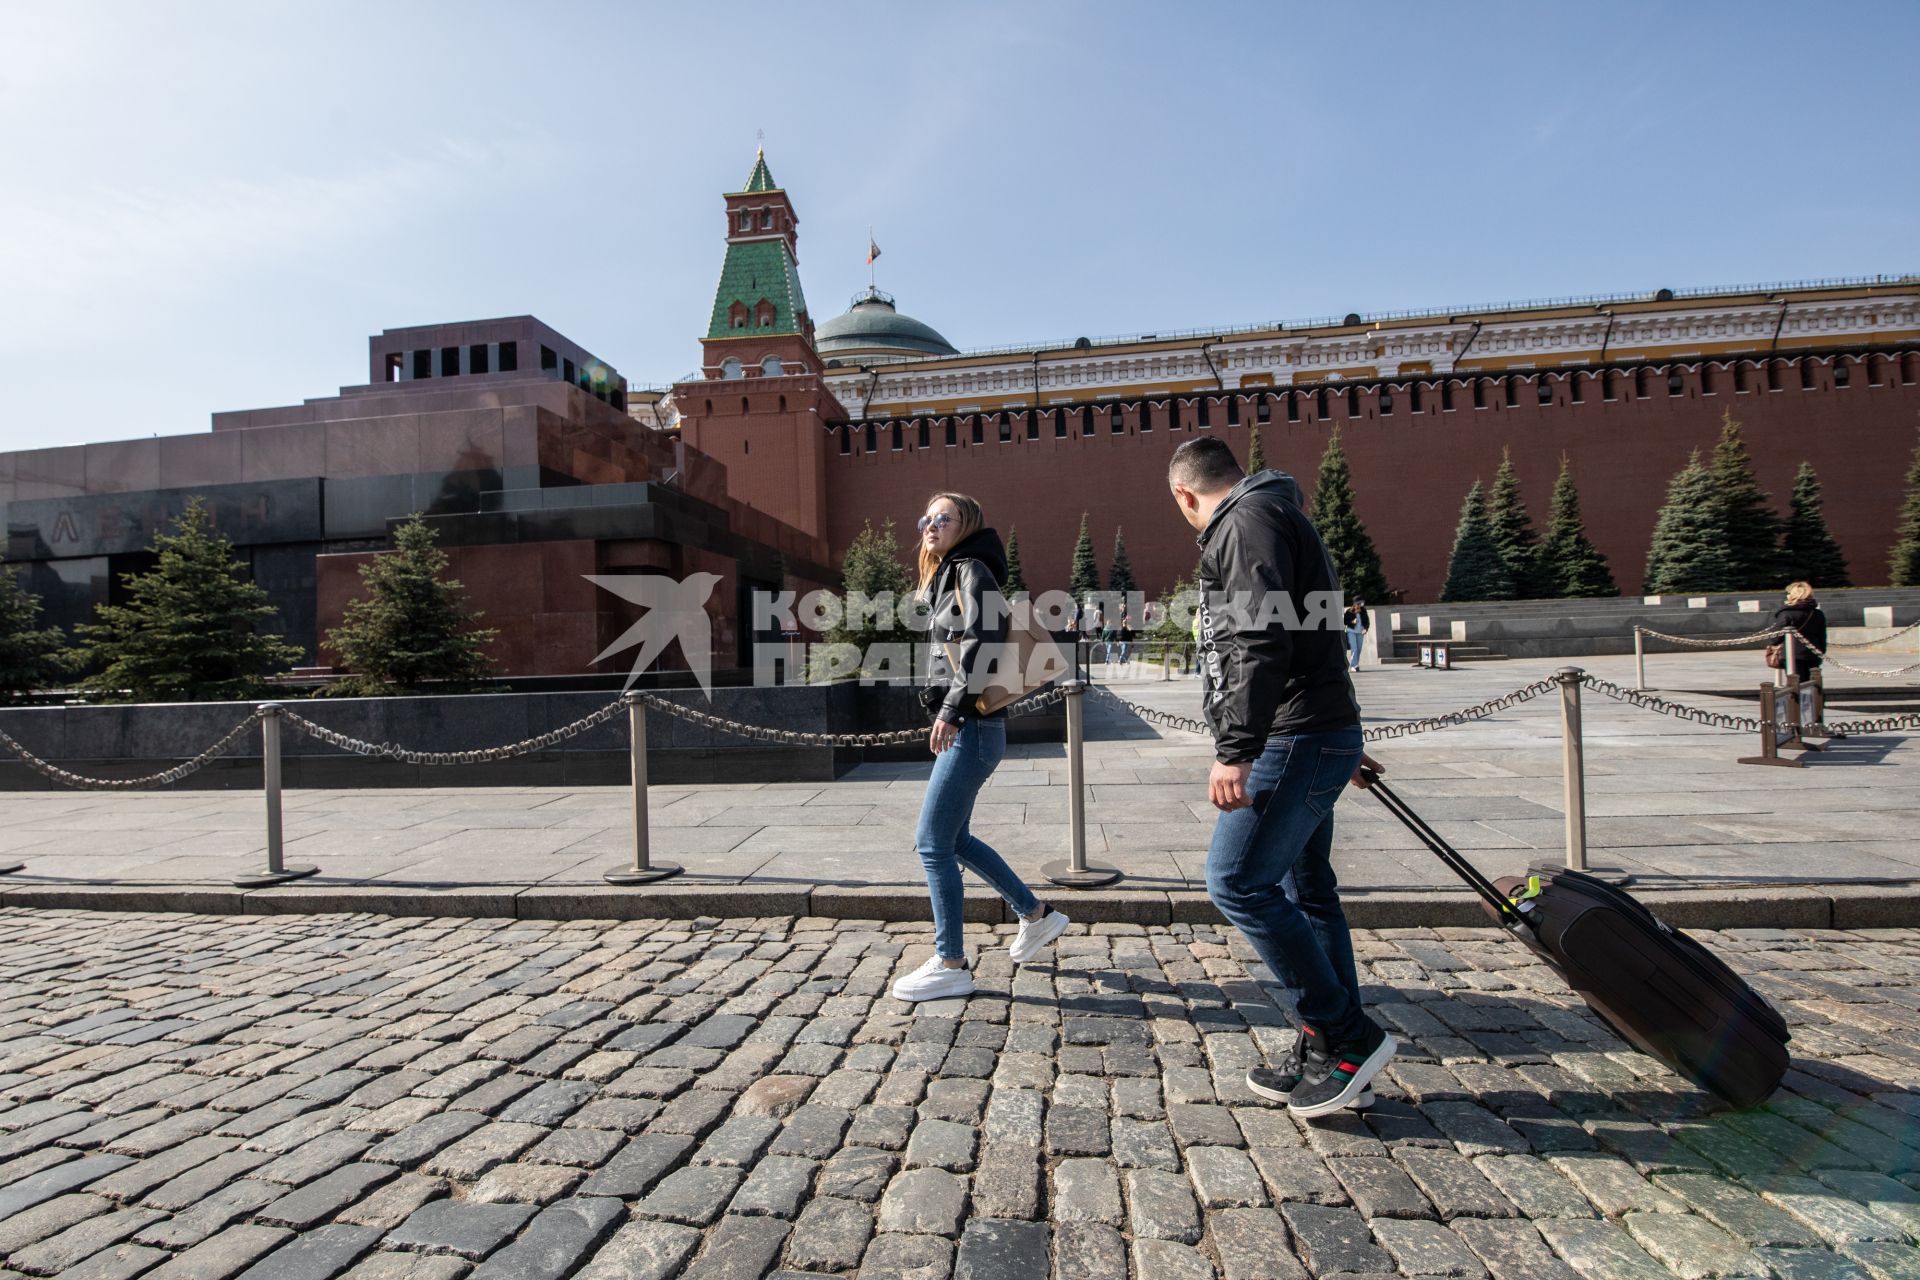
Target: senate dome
{"points": [[873, 331]]}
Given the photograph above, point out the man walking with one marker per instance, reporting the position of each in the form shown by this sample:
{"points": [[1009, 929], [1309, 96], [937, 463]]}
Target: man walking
{"points": [[1286, 731]]}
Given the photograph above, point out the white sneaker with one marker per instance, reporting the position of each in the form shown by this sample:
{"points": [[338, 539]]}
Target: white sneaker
{"points": [[934, 981], [1036, 934]]}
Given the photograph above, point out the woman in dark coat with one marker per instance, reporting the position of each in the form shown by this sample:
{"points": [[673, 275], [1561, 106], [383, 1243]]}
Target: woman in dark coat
{"points": [[1802, 613]]}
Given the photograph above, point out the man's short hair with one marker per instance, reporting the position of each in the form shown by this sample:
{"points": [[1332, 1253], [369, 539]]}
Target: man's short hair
{"points": [[1204, 465]]}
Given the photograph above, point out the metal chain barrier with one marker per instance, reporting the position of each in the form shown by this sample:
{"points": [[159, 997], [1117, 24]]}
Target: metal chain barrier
{"points": [[1678, 710], [1868, 644], [1373, 733], [1871, 672], [801, 737], [1733, 643], [67, 778], [393, 751]]}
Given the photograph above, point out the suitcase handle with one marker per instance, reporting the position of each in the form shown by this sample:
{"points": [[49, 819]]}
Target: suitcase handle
{"points": [[1507, 912]]}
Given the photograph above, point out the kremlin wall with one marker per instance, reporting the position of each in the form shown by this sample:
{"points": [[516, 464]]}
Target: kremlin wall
{"points": [[537, 464]]}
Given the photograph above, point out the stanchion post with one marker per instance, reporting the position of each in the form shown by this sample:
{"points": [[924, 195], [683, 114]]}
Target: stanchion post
{"points": [[1573, 765], [276, 871], [644, 869], [1076, 872], [1639, 658], [1769, 732]]}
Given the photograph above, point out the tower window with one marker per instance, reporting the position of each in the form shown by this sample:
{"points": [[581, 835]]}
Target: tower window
{"points": [[477, 358], [763, 314], [730, 368], [509, 357], [766, 219], [393, 367], [737, 315], [771, 367], [746, 220], [548, 360], [423, 364], [449, 362]]}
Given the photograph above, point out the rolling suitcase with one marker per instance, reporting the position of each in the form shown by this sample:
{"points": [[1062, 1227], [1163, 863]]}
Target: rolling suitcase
{"points": [[1659, 989]]}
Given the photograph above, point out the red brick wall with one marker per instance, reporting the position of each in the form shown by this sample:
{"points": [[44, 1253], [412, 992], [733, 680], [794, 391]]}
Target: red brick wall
{"points": [[1412, 470]]}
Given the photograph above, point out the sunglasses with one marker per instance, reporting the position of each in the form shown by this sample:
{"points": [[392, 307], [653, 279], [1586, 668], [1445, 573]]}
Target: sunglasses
{"points": [[940, 521]]}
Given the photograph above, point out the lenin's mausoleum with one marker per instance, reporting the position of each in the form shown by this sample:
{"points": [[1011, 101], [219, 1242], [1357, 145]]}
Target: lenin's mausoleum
{"points": [[538, 466]]}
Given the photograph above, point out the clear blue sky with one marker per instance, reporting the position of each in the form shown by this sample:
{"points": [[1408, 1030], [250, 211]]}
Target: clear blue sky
{"points": [[210, 206]]}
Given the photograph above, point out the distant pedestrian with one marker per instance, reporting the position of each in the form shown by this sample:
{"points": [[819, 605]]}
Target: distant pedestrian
{"points": [[1355, 625], [1126, 637], [1803, 613], [962, 569], [1286, 733]]}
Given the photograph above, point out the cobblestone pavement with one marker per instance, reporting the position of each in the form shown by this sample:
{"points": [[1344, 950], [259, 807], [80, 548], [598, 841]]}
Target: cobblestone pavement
{"points": [[308, 1097]]}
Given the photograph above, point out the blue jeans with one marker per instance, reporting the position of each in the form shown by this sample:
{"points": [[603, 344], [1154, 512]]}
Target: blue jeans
{"points": [[944, 843], [1355, 639], [1270, 872]]}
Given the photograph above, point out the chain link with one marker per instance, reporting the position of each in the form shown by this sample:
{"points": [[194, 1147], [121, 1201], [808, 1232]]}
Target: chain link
{"points": [[68, 778], [1868, 644], [1678, 710], [1373, 733], [1697, 643], [801, 737], [1872, 672], [393, 751]]}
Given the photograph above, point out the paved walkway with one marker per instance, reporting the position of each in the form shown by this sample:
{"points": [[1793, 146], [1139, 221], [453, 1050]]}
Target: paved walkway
{"points": [[1665, 798], [322, 1096]]}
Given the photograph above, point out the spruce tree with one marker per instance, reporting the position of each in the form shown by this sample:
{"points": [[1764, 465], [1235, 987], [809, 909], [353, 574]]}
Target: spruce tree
{"points": [[1475, 570], [1689, 551], [410, 629], [31, 657], [1903, 562], [1514, 535], [1120, 575], [1016, 580], [871, 568], [190, 628], [1172, 629], [1571, 565], [1354, 557], [1808, 552], [1084, 581], [1256, 456], [1752, 528]]}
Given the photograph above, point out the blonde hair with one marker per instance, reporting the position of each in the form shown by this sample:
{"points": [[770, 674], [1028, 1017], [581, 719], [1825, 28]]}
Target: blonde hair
{"points": [[971, 520], [1799, 592]]}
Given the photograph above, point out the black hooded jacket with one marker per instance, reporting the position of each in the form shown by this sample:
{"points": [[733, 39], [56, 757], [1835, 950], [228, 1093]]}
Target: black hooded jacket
{"points": [[1261, 676], [969, 576]]}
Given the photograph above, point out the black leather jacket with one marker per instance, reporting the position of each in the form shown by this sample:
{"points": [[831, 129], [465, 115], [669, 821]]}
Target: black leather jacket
{"points": [[971, 574], [1263, 680]]}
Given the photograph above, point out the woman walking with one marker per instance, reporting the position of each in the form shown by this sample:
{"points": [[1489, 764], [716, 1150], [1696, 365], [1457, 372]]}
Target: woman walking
{"points": [[962, 567]]}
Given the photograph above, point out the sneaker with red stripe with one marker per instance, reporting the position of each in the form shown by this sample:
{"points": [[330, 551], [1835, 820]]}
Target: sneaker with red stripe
{"points": [[1343, 1075]]}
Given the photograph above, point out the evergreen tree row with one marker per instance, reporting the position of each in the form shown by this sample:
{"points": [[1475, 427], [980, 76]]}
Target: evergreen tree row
{"points": [[1497, 555]]}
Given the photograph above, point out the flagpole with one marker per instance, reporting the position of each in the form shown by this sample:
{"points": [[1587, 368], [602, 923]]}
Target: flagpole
{"points": [[870, 257]]}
